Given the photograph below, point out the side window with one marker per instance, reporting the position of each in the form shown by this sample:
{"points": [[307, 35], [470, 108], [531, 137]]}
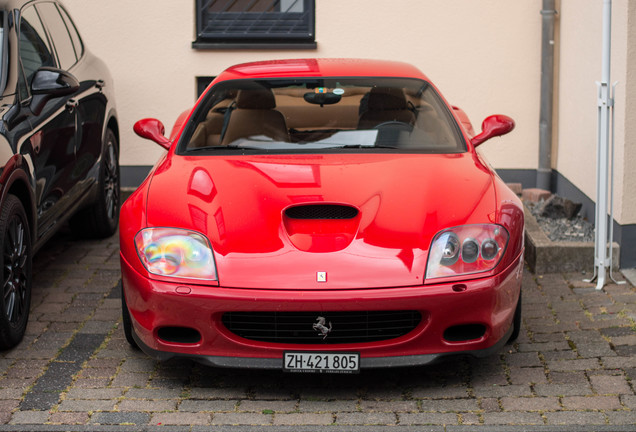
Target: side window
{"points": [[59, 33], [35, 51], [77, 40]]}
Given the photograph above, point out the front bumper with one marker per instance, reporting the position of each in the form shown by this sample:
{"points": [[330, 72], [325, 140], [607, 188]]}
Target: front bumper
{"points": [[489, 302]]}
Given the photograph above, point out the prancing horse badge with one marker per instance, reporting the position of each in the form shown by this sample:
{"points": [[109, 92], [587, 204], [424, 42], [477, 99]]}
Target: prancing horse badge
{"points": [[321, 276]]}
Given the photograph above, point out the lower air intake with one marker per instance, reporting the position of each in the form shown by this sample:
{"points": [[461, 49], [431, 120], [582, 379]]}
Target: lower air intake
{"points": [[309, 328]]}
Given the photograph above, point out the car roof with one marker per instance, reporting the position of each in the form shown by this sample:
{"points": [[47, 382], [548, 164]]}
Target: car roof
{"points": [[321, 67]]}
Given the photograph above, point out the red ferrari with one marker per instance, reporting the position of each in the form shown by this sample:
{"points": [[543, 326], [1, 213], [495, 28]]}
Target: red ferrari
{"points": [[321, 215]]}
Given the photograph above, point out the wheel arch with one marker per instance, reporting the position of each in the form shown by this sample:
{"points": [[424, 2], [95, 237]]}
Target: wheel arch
{"points": [[18, 185], [113, 125]]}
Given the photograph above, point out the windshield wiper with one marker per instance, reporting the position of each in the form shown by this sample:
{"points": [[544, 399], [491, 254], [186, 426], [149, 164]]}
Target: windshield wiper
{"points": [[362, 146], [225, 147]]}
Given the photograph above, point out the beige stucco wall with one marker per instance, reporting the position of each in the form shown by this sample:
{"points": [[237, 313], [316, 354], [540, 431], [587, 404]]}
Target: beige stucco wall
{"points": [[580, 67], [484, 55]]}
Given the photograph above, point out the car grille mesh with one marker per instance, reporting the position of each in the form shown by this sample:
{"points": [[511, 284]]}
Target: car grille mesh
{"points": [[321, 211], [298, 327]]}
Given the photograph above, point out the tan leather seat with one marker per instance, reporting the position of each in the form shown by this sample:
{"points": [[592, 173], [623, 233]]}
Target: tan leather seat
{"points": [[255, 115], [208, 132], [385, 104]]}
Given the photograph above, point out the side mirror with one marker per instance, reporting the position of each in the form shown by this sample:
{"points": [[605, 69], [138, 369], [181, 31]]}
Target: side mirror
{"points": [[493, 126], [53, 82], [49, 83], [153, 130]]}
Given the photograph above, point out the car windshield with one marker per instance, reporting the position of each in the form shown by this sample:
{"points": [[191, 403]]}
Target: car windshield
{"points": [[316, 115]]}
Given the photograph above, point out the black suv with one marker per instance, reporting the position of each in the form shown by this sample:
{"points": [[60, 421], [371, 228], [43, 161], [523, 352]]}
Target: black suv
{"points": [[59, 145]]}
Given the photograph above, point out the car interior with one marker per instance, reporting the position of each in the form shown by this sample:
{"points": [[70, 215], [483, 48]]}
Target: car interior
{"points": [[297, 114]]}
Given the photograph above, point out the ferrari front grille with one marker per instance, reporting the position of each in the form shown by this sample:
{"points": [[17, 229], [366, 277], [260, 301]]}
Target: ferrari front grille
{"points": [[321, 327]]}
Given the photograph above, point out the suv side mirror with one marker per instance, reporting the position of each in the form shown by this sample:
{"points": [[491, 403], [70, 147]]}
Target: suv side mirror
{"points": [[49, 83], [153, 130], [53, 82], [493, 126]]}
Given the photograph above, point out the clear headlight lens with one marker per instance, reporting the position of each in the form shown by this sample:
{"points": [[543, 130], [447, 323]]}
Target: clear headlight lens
{"points": [[176, 252], [465, 250]]}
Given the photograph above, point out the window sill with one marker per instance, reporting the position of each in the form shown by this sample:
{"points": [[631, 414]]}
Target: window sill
{"points": [[199, 45]]}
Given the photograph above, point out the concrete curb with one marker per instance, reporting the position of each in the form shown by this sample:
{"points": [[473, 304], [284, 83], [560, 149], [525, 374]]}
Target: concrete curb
{"points": [[544, 256]]}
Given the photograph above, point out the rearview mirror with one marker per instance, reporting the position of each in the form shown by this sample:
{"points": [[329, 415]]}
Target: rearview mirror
{"points": [[153, 130], [493, 126]]}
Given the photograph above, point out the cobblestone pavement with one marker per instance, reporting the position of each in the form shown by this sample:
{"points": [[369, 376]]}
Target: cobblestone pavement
{"points": [[573, 368]]}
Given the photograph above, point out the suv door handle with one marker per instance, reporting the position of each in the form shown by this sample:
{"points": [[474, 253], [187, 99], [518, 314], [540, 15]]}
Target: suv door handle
{"points": [[71, 104]]}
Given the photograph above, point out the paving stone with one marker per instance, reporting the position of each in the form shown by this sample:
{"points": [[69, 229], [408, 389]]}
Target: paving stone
{"points": [[208, 405], [147, 405], [621, 417], [564, 377], [130, 380], [364, 418], [619, 362], [513, 418], [428, 419], [439, 392], [92, 383], [527, 375], [575, 418], [490, 405], [604, 384], [179, 418], [260, 406], [628, 401], [242, 419], [591, 403], [501, 391], [530, 403], [523, 359], [40, 400], [578, 389], [217, 393], [452, 405], [117, 418], [163, 393], [29, 417], [572, 365], [303, 419], [68, 418], [87, 405], [375, 406]]}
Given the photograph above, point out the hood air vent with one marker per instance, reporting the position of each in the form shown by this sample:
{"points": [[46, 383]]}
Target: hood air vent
{"points": [[321, 211]]}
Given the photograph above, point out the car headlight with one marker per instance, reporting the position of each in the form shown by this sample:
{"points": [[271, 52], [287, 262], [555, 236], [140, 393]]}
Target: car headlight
{"points": [[176, 252], [465, 250]]}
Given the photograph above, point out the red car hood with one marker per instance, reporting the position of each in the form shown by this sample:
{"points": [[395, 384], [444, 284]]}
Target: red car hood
{"points": [[239, 203]]}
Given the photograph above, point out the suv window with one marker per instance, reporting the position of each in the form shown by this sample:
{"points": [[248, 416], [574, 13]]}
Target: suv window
{"points": [[60, 35], [35, 51], [77, 40]]}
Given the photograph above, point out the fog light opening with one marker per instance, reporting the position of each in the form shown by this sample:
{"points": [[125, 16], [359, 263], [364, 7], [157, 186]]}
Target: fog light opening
{"points": [[464, 332], [182, 335]]}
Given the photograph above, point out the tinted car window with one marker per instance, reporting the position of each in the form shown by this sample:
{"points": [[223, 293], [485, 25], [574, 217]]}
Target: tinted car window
{"points": [[77, 40], [35, 51], [60, 35]]}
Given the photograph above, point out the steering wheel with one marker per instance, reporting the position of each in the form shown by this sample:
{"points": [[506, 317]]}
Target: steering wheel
{"points": [[394, 124]]}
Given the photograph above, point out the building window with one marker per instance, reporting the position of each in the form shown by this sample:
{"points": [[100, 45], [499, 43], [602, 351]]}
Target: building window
{"points": [[236, 24], [202, 83]]}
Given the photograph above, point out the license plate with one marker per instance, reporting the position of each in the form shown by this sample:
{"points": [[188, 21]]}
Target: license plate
{"points": [[315, 362]]}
